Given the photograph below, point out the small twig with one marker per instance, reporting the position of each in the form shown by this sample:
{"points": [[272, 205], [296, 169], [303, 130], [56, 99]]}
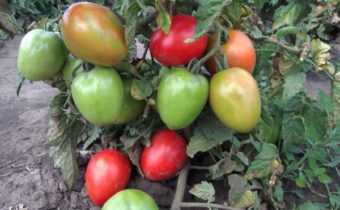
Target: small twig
{"points": [[180, 188], [207, 205], [200, 167], [276, 42]]}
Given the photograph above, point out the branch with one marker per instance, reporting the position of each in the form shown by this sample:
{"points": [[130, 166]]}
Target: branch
{"points": [[207, 205], [273, 40], [180, 188]]}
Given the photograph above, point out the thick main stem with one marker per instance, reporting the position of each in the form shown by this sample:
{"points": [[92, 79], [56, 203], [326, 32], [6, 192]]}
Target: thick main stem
{"points": [[180, 188]]}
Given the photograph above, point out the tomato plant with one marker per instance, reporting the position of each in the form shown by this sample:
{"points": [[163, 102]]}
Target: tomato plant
{"points": [[174, 49], [93, 33], [130, 199], [107, 173], [235, 99], [41, 55], [164, 157], [188, 91], [147, 70]]}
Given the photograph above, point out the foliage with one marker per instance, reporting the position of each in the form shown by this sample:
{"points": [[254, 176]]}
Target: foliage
{"points": [[297, 137]]}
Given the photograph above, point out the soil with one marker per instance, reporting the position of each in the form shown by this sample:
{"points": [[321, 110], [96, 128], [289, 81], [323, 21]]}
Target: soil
{"points": [[28, 178]]}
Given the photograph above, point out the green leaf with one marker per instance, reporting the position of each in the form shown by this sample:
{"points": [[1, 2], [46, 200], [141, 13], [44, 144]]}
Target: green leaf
{"points": [[263, 54], [208, 133], [278, 192], [233, 11], [315, 121], [207, 13], [293, 82], [237, 188], [131, 17], [62, 137], [262, 166], [334, 199], [282, 32], [92, 133], [325, 179], [140, 90], [301, 180], [163, 18], [293, 130], [326, 102], [290, 14], [204, 191], [260, 3], [313, 206]]}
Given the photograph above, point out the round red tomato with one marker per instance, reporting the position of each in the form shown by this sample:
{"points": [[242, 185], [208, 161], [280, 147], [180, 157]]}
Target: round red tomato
{"points": [[165, 156], [94, 33], [239, 51], [172, 49], [107, 173]]}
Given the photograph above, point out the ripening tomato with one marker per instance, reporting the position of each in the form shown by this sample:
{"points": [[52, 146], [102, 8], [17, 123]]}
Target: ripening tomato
{"points": [[107, 173], [165, 156], [172, 49], [130, 199], [239, 52], [181, 96], [99, 95], [235, 99], [94, 33], [41, 55], [71, 68]]}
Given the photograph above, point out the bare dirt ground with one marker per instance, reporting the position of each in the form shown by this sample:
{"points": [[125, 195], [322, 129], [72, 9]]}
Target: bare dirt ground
{"points": [[27, 175]]}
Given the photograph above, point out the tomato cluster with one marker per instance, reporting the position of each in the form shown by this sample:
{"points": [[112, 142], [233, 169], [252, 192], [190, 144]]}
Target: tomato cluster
{"points": [[93, 34]]}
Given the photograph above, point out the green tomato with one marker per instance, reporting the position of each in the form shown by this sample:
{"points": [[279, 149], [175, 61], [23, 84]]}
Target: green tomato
{"points": [[99, 95], [41, 55], [72, 64], [235, 99], [130, 199], [131, 107], [181, 97]]}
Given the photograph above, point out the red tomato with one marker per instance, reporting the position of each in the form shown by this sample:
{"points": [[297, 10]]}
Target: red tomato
{"points": [[239, 51], [107, 173], [171, 49], [165, 156]]}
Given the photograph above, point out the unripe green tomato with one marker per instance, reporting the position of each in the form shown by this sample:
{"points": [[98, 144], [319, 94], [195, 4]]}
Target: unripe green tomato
{"points": [[235, 99], [72, 64], [181, 97], [41, 55], [99, 95], [131, 107], [130, 199]]}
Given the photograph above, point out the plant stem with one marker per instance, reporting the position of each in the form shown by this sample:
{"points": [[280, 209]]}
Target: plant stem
{"points": [[199, 167], [276, 42], [180, 188], [207, 205]]}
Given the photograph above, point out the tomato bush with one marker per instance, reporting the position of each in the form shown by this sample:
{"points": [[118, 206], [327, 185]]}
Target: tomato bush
{"points": [[107, 173], [165, 156], [260, 125], [93, 33], [130, 199], [41, 55], [173, 49]]}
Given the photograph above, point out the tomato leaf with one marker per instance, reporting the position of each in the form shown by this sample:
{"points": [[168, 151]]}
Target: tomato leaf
{"points": [[263, 54], [207, 13], [204, 191], [290, 14], [246, 200], [237, 188], [262, 166], [326, 102], [233, 11], [62, 137], [208, 133], [313, 206], [131, 17], [293, 129], [163, 18], [140, 90], [90, 134], [222, 167], [293, 82]]}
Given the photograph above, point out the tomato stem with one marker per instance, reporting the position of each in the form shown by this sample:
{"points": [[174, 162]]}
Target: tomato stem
{"points": [[207, 205], [180, 188]]}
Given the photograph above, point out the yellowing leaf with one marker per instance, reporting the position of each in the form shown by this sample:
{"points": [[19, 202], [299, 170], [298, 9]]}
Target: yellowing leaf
{"points": [[246, 200]]}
